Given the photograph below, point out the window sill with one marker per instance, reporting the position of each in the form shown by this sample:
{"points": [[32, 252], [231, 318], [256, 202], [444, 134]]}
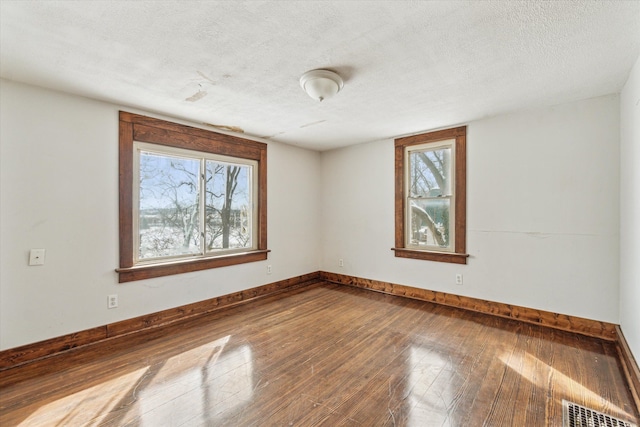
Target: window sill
{"points": [[451, 257], [148, 271]]}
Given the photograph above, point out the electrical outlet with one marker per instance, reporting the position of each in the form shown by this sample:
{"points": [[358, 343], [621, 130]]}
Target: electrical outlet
{"points": [[112, 301], [340, 262], [269, 269], [458, 279]]}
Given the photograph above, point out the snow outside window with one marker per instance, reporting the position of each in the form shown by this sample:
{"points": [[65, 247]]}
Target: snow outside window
{"points": [[430, 196], [191, 204]]}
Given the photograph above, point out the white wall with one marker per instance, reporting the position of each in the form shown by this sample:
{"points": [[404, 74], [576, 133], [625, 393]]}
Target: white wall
{"points": [[630, 211], [59, 191], [542, 212]]}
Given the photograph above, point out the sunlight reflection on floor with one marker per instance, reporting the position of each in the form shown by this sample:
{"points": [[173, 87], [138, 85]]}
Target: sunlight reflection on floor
{"points": [[207, 379], [83, 408], [220, 382], [539, 373], [428, 403]]}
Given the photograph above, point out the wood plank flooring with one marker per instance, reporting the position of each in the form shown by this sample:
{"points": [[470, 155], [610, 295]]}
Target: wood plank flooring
{"points": [[327, 355]]}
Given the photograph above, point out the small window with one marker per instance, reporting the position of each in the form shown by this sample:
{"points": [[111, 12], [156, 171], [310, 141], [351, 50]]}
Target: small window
{"points": [[431, 196], [190, 199]]}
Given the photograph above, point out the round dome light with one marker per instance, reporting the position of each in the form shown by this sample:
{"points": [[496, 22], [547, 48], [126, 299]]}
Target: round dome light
{"points": [[321, 84]]}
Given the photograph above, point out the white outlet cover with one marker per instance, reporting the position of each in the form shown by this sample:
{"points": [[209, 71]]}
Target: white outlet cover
{"points": [[36, 257], [112, 301]]}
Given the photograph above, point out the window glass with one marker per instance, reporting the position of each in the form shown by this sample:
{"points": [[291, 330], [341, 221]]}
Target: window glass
{"points": [[430, 172], [192, 204], [228, 206], [429, 223], [430, 196], [169, 206]]}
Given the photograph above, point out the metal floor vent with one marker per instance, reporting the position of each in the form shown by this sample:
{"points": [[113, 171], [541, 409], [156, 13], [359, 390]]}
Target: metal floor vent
{"points": [[574, 415]]}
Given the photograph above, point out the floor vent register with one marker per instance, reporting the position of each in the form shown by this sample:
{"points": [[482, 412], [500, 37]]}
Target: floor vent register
{"points": [[574, 415]]}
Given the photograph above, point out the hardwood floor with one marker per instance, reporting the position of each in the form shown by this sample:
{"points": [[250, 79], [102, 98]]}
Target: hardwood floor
{"points": [[323, 355]]}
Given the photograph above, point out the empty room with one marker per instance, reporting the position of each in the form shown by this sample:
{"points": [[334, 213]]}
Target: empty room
{"points": [[306, 213]]}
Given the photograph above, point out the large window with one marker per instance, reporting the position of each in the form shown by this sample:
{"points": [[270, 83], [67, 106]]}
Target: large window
{"points": [[190, 199], [431, 196]]}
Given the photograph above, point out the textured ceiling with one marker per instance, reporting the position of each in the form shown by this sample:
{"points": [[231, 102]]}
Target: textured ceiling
{"points": [[408, 66]]}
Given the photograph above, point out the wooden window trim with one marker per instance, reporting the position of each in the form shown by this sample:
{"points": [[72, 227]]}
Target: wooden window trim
{"points": [[147, 129], [459, 255]]}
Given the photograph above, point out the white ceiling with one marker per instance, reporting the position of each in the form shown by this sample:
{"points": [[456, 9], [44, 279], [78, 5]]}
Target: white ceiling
{"points": [[408, 66]]}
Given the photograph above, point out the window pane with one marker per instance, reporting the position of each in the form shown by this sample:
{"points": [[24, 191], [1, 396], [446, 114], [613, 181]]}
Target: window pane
{"points": [[430, 173], [228, 206], [168, 211], [429, 222]]}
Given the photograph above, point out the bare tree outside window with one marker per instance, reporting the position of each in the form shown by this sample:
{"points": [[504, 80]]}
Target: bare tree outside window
{"points": [[189, 199], [169, 203], [227, 206], [430, 197], [169, 213]]}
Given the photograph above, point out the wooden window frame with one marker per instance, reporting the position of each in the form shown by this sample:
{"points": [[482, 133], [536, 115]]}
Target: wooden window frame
{"points": [[134, 127], [458, 255]]}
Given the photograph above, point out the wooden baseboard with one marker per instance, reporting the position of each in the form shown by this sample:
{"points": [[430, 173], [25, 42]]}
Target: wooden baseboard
{"points": [[31, 352], [607, 331], [593, 328], [629, 366]]}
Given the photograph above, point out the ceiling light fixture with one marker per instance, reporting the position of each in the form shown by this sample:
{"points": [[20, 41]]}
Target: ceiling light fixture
{"points": [[321, 84]]}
